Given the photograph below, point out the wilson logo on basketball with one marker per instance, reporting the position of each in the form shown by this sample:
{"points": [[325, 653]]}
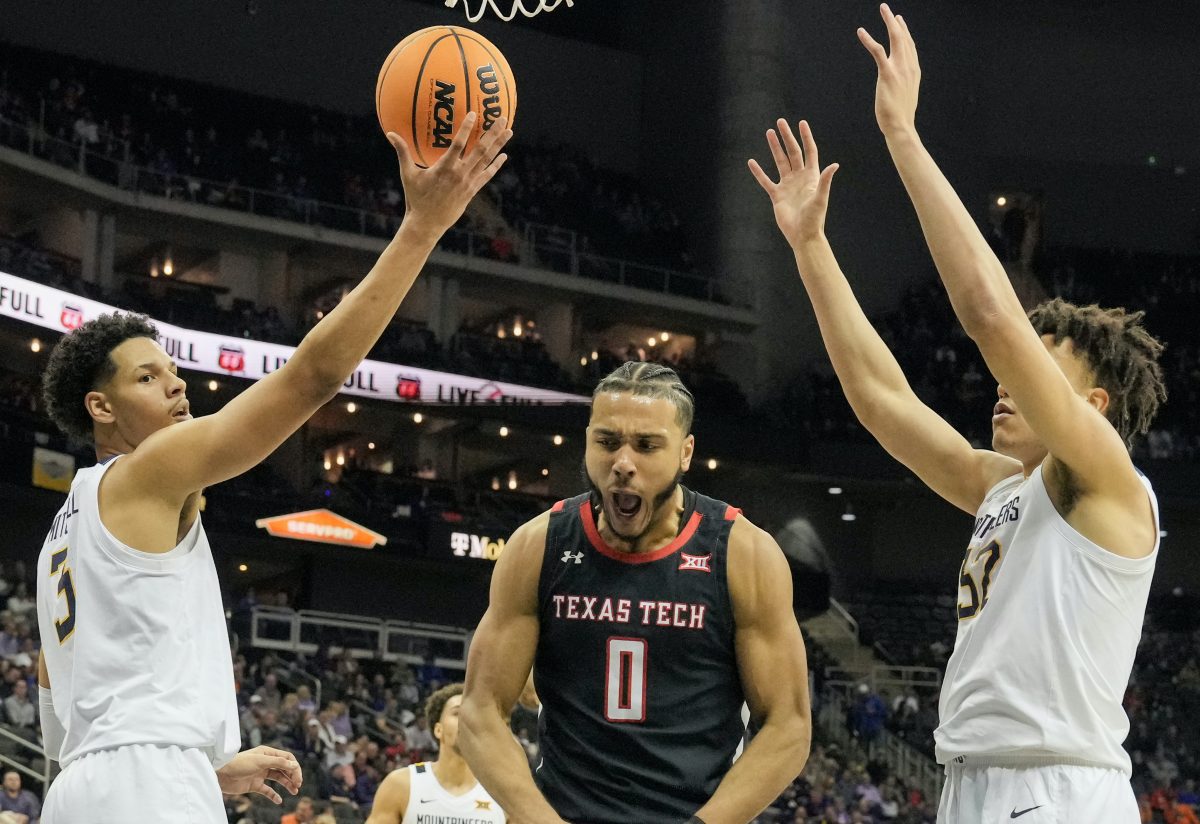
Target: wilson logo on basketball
{"points": [[443, 114], [231, 358], [698, 563], [489, 85], [71, 317]]}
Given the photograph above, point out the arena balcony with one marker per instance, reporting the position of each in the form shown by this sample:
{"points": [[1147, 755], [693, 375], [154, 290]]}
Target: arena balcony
{"points": [[41, 174]]}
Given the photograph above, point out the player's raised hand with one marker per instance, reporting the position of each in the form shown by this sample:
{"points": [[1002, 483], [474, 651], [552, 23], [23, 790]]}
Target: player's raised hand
{"points": [[435, 198], [899, 75], [250, 770], [801, 197]]}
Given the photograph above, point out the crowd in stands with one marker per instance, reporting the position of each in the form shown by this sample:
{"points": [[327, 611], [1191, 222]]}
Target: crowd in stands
{"points": [[18, 686], [946, 370], [231, 149]]}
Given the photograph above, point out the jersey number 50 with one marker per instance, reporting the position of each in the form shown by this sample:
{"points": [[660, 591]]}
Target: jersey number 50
{"points": [[625, 669], [58, 566]]}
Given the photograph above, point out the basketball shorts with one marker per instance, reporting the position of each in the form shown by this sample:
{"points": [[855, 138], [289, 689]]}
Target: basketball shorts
{"points": [[135, 783], [1042, 794]]}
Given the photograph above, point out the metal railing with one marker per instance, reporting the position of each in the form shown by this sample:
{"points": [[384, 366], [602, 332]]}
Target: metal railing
{"points": [[34, 750], [844, 617], [885, 679], [900, 757], [306, 631], [548, 247]]}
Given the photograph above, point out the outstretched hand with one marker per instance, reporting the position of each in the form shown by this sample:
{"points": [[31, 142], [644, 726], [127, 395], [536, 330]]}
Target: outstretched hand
{"points": [[899, 75], [435, 198], [801, 197], [249, 771]]}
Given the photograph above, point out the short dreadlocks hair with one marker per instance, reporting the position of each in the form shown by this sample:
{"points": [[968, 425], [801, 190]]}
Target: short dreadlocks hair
{"points": [[651, 380], [81, 361], [1119, 351], [435, 704]]}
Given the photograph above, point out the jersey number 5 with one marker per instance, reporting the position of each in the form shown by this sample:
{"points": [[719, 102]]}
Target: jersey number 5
{"points": [[58, 566], [625, 680], [977, 594]]}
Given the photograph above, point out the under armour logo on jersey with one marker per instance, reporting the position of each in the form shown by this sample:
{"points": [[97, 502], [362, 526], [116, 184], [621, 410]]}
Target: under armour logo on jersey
{"points": [[482, 805], [696, 562], [568, 557]]}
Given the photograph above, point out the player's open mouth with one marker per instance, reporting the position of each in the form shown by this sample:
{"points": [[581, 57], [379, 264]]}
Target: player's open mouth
{"points": [[625, 505], [183, 413]]}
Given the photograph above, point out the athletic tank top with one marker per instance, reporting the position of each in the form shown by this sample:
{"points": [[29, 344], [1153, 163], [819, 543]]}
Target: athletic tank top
{"points": [[635, 666], [135, 642], [1049, 623], [429, 803]]}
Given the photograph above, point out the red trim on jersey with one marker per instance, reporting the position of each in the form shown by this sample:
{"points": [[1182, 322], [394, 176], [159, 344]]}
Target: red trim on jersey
{"points": [[593, 536], [558, 507], [731, 513]]}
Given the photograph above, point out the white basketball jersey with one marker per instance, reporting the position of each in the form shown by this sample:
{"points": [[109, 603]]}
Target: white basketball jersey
{"points": [[429, 803], [135, 642], [1049, 623]]}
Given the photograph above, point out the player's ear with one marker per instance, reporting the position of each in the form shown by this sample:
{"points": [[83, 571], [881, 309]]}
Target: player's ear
{"points": [[685, 452], [1098, 398], [99, 407]]}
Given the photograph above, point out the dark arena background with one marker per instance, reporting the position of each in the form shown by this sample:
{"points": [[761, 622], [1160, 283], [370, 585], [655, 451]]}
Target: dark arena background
{"points": [[218, 167]]}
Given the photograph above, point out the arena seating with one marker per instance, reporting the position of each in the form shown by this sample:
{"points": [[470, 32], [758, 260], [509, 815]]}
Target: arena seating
{"points": [[212, 145]]}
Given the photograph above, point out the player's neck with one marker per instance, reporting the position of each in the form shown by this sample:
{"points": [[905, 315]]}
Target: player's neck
{"points": [[663, 529], [452, 772]]}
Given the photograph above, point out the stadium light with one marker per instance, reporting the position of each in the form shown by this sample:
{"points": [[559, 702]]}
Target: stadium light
{"points": [[35, 345], [583, 361], [849, 515], [504, 432], [371, 445], [664, 336], [545, 472], [558, 440], [352, 407], [242, 568], [835, 490], [712, 463], [213, 386], [418, 417]]}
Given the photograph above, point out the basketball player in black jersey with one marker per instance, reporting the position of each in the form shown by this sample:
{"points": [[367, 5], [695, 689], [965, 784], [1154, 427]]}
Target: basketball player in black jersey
{"points": [[649, 614]]}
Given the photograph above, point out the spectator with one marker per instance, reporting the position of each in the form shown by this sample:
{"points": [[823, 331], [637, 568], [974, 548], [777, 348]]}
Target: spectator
{"points": [[868, 714], [303, 814], [339, 756], [18, 707], [18, 806], [269, 692], [419, 739]]}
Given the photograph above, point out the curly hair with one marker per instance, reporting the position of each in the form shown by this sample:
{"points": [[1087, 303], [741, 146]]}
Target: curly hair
{"points": [[81, 361], [651, 380], [435, 704], [1119, 351]]}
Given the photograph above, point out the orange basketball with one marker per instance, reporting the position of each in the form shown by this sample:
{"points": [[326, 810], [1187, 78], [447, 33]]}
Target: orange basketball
{"points": [[432, 79]]}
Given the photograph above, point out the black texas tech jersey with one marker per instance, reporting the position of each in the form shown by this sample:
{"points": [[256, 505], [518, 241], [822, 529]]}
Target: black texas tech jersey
{"points": [[635, 667]]}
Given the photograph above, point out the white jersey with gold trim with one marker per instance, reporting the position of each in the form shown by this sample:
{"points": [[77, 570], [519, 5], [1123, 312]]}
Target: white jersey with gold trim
{"points": [[135, 643], [1049, 623], [430, 803]]}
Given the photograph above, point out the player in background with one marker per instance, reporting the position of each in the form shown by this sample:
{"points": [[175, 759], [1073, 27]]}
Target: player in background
{"points": [[138, 703], [649, 614], [1054, 584], [444, 789]]}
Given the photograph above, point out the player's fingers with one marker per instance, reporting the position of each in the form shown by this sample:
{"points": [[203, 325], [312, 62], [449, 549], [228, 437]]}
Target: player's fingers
{"points": [[266, 792], [826, 182], [909, 43], [286, 778], [402, 152], [877, 51], [492, 150], [811, 157], [459, 144], [488, 143], [484, 176], [795, 156], [761, 177], [782, 164]]}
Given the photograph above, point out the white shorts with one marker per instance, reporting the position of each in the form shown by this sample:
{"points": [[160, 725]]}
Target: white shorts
{"points": [[136, 783], [1045, 794]]}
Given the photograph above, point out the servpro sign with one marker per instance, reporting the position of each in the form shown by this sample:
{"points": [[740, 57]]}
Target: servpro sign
{"points": [[323, 527]]}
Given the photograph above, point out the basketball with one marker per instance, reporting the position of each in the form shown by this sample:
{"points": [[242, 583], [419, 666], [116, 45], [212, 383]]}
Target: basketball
{"points": [[432, 79]]}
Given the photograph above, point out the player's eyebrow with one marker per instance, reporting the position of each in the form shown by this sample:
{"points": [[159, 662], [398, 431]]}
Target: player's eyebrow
{"points": [[639, 435], [151, 366]]}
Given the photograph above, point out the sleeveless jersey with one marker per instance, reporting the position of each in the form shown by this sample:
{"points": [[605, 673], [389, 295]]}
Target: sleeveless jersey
{"points": [[1049, 623], [429, 803], [135, 642], [635, 666]]}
